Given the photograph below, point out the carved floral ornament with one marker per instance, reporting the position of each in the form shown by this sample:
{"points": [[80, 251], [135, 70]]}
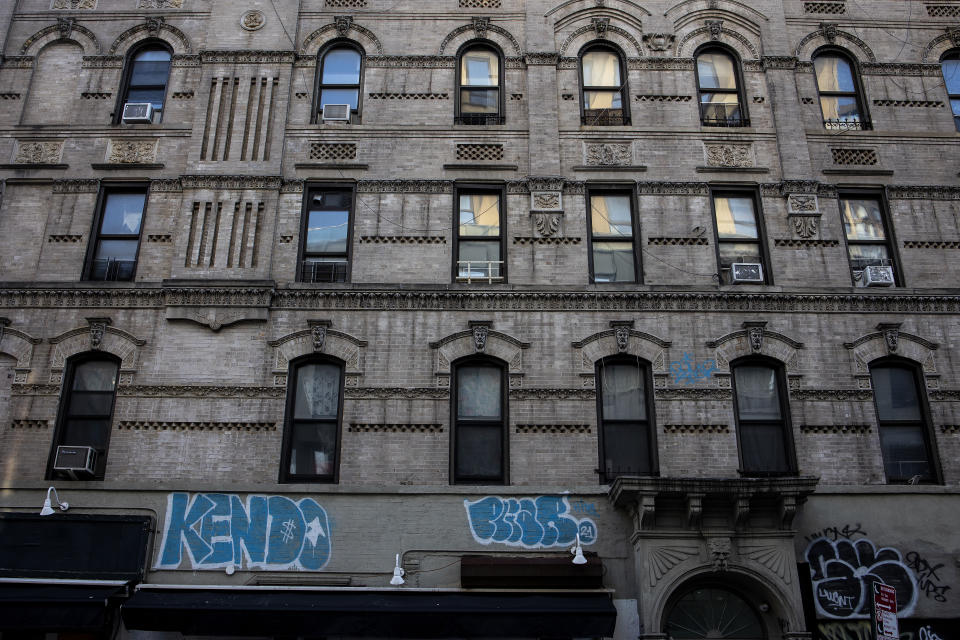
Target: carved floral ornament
{"points": [[37, 152], [608, 154], [252, 20], [728, 155], [132, 151], [319, 337], [659, 42]]}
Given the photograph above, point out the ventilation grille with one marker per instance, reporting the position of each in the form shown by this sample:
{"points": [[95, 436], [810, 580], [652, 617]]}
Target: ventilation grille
{"points": [[333, 151], [908, 103], [220, 237], [238, 119], [943, 10], [480, 152], [479, 4], [824, 8], [344, 4], [855, 156]]}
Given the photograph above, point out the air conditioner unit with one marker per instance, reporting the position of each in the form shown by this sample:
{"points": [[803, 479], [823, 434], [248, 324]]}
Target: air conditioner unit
{"points": [[336, 112], [878, 276], [746, 272], [137, 113], [77, 462]]}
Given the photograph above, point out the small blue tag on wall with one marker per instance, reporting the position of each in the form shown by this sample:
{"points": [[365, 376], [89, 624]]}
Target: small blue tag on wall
{"points": [[685, 371]]}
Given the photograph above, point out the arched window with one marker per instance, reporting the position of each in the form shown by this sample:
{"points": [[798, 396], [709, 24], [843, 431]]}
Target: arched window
{"points": [[903, 423], [148, 70], [626, 434], [763, 418], [713, 612], [480, 419], [479, 98], [338, 83], [840, 93], [311, 437], [603, 87], [719, 87], [950, 64], [86, 412]]}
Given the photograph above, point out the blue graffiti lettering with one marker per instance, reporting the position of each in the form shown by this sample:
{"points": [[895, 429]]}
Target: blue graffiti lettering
{"points": [[684, 370], [531, 523]]}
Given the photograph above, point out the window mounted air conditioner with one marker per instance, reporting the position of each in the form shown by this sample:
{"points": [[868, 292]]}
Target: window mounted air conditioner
{"points": [[878, 276], [746, 272], [77, 462], [336, 112], [137, 113]]}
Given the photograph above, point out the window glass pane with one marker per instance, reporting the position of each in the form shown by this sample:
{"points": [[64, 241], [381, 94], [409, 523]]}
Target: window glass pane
{"points": [[951, 75], [86, 433], [904, 452], [150, 68], [833, 73], [122, 213], [327, 231], [318, 391], [97, 375], [713, 613], [601, 69], [339, 96], [719, 106], [613, 262], [479, 68], [896, 392], [313, 448], [868, 255], [626, 449], [480, 215], [479, 100], [842, 109], [622, 391], [117, 250], [91, 403], [610, 216], [478, 392], [862, 219], [735, 217], [479, 260], [153, 96], [479, 451], [955, 105], [341, 66], [757, 395], [748, 252], [716, 70], [763, 448], [602, 100]]}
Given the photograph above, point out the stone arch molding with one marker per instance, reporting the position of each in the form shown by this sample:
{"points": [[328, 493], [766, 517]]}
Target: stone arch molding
{"points": [[65, 30], [343, 27], [152, 28], [620, 339], [829, 35], [19, 346], [689, 10], [98, 335], [941, 44], [480, 339], [319, 339], [716, 30], [889, 340], [627, 39], [482, 29], [756, 340]]}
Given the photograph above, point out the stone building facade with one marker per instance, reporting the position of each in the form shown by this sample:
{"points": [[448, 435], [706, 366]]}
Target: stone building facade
{"points": [[475, 283]]}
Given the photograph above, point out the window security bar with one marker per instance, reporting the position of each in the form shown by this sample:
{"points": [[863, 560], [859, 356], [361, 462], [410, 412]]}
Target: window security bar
{"points": [[604, 117], [859, 264], [850, 124], [722, 115], [479, 118], [112, 269], [479, 270], [315, 271]]}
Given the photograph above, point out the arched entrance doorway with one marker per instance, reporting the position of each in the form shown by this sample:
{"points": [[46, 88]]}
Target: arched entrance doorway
{"points": [[712, 612]]}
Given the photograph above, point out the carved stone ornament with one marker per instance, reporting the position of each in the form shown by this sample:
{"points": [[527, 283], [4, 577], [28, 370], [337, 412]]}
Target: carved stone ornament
{"points": [[74, 4], [608, 154], [623, 336], [829, 31], [546, 225], [480, 338], [39, 152], [729, 155], [546, 201], [719, 552], [715, 27], [343, 25], [65, 26], [154, 24], [891, 335], [97, 328], [802, 203], [319, 336], [806, 226], [953, 33], [600, 26], [253, 20], [480, 26], [159, 4], [659, 41], [756, 338], [132, 151]]}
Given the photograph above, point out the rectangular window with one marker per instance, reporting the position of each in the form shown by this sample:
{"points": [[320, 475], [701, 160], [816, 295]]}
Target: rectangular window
{"points": [[312, 430], [626, 437], [479, 419], [479, 247], [763, 424], [868, 241], [325, 235], [741, 255], [902, 421], [612, 231], [113, 253]]}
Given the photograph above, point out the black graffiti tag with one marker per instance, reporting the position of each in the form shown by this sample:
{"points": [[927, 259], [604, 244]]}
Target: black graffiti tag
{"points": [[927, 578], [836, 533]]}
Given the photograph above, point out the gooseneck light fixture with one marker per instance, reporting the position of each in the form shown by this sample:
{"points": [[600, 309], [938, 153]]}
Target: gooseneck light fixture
{"points": [[398, 573], [47, 509], [577, 552]]}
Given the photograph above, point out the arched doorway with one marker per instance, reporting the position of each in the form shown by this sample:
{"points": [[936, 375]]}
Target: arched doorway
{"points": [[712, 612]]}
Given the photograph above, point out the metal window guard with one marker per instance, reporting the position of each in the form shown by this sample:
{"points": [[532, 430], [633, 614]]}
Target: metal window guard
{"points": [[316, 271], [722, 115], [479, 271], [604, 118], [836, 124], [479, 118], [112, 269]]}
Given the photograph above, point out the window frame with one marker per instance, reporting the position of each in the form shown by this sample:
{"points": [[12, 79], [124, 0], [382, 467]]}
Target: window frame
{"points": [[786, 420], [504, 423], [96, 236], [475, 119], [63, 413], [749, 191], [624, 89], [127, 77], [285, 477], [713, 47], [858, 93], [302, 254], [926, 419], [340, 43], [646, 373], [475, 188], [951, 54], [613, 190], [891, 240]]}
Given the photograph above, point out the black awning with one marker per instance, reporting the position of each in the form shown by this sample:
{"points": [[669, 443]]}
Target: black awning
{"points": [[54, 607], [366, 613]]}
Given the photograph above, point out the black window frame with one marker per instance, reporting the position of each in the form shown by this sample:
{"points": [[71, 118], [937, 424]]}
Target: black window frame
{"points": [[127, 78], [890, 241], [341, 43], [748, 191], [289, 420], [952, 54], [614, 190], [864, 123], [604, 117], [786, 420], [480, 118], [926, 421], [303, 255], [646, 374], [744, 119], [96, 236], [63, 414], [502, 425], [474, 188]]}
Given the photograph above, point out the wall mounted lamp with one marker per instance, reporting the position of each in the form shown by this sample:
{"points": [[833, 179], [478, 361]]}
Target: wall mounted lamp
{"points": [[577, 552], [398, 573], [47, 509]]}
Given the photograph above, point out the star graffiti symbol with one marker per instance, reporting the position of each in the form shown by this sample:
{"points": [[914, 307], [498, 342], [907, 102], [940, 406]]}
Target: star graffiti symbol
{"points": [[314, 531]]}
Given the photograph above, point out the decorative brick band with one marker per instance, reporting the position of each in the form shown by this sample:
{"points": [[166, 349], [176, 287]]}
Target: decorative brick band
{"points": [[523, 240], [824, 8], [554, 428], [9, 96], [479, 4], [64, 238], [149, 425], [855, 156], [95, 95], [844, 429], [344, 4], [943, 10], [951, 429], [384, 427], [673, 242], [481, 152], [163, 238], [696, 428], [652, 97], [182, 95], [796, 243], [333, 151], [908, 103], [402, 240], [30, 424], [286, 239], [930, 244], [832, 395], [806, 100], [408, 96]]}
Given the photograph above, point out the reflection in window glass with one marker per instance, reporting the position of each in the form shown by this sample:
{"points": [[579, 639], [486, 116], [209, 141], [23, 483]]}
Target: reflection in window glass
{"points": [[950, 66], [480, 419], [478, 237], [867, 241], [603, 88], [340, 78], [625, 432], [312, 428], [611, 238], [837, 86], [902, 425], [716, 71], [735, 217], [738, 233], [326, 236], [479, 86], [88, 409], [717, 82], [762, 430], [118, 238], [149, 72]]}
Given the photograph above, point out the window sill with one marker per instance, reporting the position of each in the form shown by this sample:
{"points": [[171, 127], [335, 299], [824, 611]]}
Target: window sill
{"points": [[468, 166], [104, 166], [610, 167], [24, 166], [332, 165], [858, 172], [732, 170]]}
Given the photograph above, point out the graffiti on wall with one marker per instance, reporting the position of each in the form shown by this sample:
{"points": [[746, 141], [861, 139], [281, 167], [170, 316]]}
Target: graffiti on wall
{"points": [[686, 371], [532, 523], [909, 630], [220, 530], [928, 581]]}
